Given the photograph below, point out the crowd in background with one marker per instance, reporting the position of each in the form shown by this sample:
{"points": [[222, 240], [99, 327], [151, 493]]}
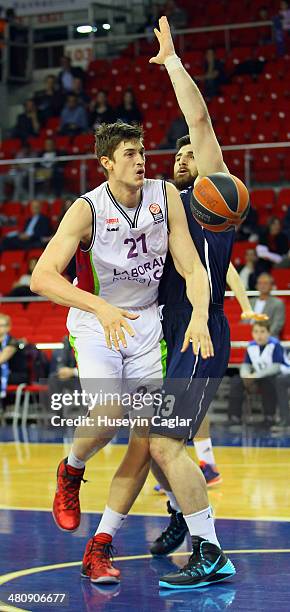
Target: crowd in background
{"points": [[65, 97], [266, 368]]}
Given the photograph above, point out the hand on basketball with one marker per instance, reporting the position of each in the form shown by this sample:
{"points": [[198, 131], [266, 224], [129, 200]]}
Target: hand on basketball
{"points": [[197, 333], [250, 314], [113, 321], [164, 38]]}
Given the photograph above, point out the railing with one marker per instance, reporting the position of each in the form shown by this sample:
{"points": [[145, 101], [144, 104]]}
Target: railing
{"points": [[59, 345], [13, 300], [110, 45], [83, 179]]}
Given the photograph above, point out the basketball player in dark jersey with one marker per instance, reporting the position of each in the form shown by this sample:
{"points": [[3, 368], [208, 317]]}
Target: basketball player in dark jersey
{"points": [[185, 173], [215, 251], [192, 381]]}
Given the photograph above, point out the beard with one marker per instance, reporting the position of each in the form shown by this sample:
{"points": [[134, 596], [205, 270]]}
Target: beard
{"points": [[184, 181]]}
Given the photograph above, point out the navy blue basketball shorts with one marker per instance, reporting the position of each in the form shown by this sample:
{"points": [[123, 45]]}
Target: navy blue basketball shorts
{"points": [[191, 382]]}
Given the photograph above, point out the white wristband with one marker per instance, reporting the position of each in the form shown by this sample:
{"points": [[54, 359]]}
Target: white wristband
{"points": [[173, 62]]}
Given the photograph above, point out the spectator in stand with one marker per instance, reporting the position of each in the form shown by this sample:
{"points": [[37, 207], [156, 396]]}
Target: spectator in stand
{"points": [[286, 223], [273, 244], [176, 15], [49, 173], [78, 91], [281, 25], [177, 129], [100, 110], [49, 101], [67, 75], [73, 119], [66, 205], [249, 229], [9, 347], [264, 33], [17, 176], [70, 270], [285, 15], [284, 263], [21, 287], [128, 111], [268, 304], [63, 375], [264, 360], [154, 14], [35, 230], [17, 33], [214, 74], [28, 123], [247, 272]]}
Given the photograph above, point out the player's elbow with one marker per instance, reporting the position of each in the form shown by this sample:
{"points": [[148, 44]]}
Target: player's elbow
{"points": [[37, 281]]}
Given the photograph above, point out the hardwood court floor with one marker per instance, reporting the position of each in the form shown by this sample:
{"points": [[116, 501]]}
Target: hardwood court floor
{"points": [[255, 480], [252, 507]]}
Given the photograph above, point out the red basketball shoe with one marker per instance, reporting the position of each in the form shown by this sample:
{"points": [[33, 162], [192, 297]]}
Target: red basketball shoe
{"points": [[97, 561], [66, 506]]}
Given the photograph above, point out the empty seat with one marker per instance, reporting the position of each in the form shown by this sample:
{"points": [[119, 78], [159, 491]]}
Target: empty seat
{"points": [[84, 143], [13, 209], [262, 198], [35, 253], [281, 277], [283, 202], [12, 259], [241, 331], [267, 167]]}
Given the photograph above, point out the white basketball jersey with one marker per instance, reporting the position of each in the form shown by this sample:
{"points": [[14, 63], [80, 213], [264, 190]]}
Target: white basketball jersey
{"points": [[125, 260]]}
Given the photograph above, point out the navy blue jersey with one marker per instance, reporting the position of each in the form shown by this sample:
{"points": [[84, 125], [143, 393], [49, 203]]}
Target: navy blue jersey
{"points": [[214, 250]]}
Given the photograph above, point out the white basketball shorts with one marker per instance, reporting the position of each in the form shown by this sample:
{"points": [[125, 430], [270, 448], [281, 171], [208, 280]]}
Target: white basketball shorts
{"points": [[143, 361]]}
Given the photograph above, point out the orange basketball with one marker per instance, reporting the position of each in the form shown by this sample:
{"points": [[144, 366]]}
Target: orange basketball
{"points": [[220, 202]]}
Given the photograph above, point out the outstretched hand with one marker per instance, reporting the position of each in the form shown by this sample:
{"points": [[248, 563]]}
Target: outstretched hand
{"points": [[164, 38]]}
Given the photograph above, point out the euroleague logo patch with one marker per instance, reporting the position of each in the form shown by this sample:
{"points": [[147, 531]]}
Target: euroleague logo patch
{"points": [[156, 213], [112, 224]]}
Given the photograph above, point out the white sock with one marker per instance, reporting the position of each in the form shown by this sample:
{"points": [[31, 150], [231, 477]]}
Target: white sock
{"points": [[110, 522], [202, 524], [72, 460], [173, 501], [204, 450]]}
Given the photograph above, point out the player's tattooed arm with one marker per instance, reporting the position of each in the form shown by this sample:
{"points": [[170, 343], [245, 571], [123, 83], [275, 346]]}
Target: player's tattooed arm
{"points": [[188, 264], [206, 149], [47, 279], [235, 284]]}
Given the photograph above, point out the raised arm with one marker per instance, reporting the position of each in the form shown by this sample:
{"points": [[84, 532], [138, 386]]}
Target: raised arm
{"points": [[235, 284], [47, 279], [206, 149], [188, 264]]}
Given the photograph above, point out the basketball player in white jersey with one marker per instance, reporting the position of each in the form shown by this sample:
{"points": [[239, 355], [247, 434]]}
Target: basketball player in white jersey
{"points": [[208, 563], [120, 236]]}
